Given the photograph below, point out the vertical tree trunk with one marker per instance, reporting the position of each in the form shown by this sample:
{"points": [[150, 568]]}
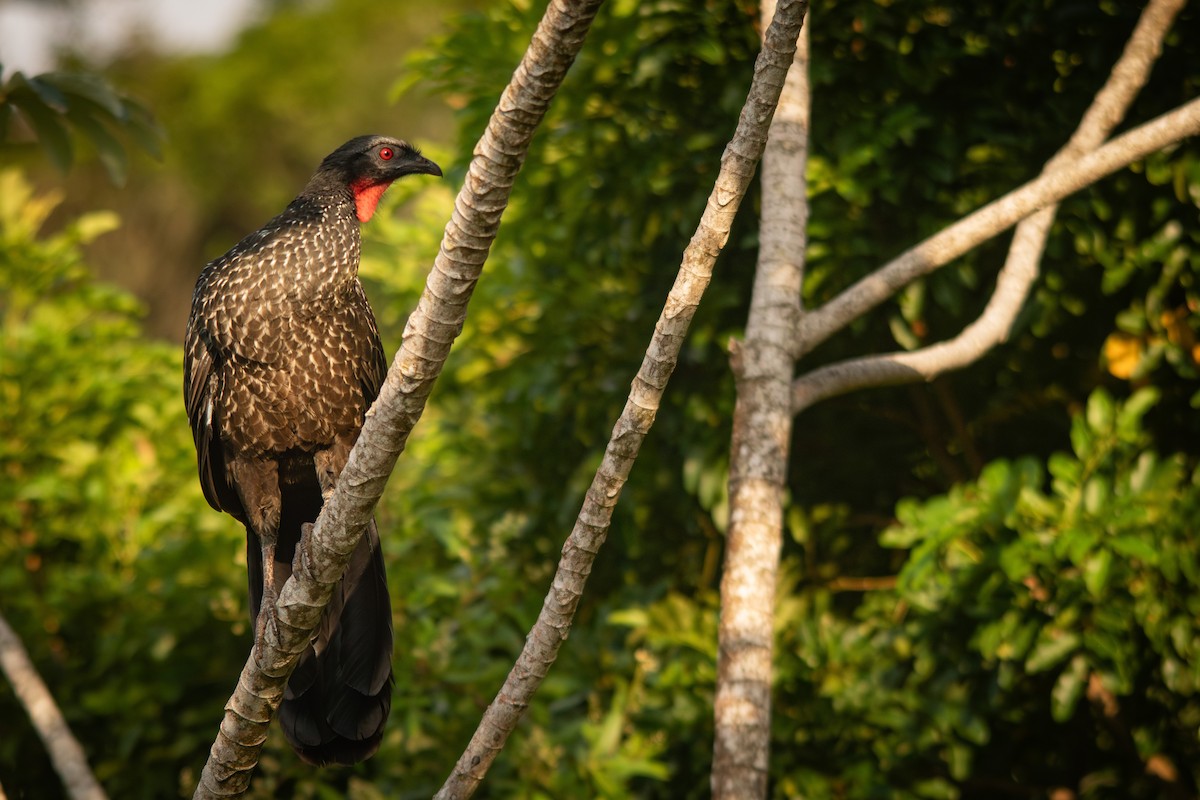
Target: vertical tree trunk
{"points": [[762, 425]]}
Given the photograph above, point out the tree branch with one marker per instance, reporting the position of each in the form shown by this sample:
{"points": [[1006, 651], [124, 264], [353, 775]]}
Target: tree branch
{"points": [[762, 430], [995, 217], [849, 583], [1021, 267], [591, 527], [431, 329], [66, 754]]}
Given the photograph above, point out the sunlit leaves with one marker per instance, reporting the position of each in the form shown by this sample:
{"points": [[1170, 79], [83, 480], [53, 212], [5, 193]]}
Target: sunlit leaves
{"points": [[120, 580]]}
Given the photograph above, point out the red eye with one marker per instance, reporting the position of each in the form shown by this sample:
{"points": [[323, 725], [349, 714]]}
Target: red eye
{"points": [[386, 153]]}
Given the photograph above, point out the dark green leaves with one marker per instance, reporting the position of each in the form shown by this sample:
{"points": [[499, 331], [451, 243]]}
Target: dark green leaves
{"points": [[56, 103]]}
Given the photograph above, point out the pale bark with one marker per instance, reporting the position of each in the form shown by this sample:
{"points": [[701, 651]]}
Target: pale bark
{"points": [[66, 754], [591, 527], [431, 329], [1024, 256], [762, 428]]}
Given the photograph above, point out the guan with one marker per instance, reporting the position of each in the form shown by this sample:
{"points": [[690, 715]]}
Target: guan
{"points": [[282, 361]]}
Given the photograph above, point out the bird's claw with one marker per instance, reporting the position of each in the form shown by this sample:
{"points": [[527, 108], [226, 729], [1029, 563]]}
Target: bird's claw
{"points": [[302, 553], [268, 621]]}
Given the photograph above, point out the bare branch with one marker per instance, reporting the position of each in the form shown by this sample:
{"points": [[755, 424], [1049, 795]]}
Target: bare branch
{"points": [[881, 583], [66, 754], [1022, 265], [992, 219], [591, 527], [1128, 77], [433, 326], [762, 428]]}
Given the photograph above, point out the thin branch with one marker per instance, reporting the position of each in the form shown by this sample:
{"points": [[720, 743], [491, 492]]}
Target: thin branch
{"points": [[994, 218], [762, 431], [591, 527], [66, 754], [1021, 267], [432, 327], [862, 584], [1024, 257]]}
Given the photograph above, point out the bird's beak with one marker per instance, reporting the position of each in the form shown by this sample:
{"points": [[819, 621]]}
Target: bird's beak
{"points": [[420, 165]]}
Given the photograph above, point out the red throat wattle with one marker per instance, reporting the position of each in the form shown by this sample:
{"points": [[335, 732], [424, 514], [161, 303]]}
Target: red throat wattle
{"points": [[367, 196]]}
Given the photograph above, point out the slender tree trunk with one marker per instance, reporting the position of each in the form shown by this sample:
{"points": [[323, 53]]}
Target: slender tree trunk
{"points": [[66, 754], [762, 426]]}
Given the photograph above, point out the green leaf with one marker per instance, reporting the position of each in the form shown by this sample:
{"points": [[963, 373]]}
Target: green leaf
{"points": [[48, 126], [111, 152], [1069, 688], [1134, 546], [144, 128], [1129, 417], [95, 224], [1100, 411], [1053, 647], [92, 87], [50, 96], [1096, 570], [1096, 494]]}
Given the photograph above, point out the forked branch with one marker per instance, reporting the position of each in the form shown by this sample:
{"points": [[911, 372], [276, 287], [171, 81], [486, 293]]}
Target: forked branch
{"points": [[1024, 257], [994, 218]]}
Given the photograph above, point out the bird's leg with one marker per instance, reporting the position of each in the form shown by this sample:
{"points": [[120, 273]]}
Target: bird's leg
{"points": [[331, 461], [257, 482], [268, 537], [328, 464]]}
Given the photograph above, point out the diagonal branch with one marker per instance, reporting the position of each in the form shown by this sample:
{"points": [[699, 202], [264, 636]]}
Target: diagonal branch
{"points": [[431, 329], [1021, 267], [997, 216], [66, 754], [591, 527]]}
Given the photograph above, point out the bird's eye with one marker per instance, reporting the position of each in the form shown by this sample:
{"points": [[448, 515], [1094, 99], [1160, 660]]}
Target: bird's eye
{"points": [[386, 153]]}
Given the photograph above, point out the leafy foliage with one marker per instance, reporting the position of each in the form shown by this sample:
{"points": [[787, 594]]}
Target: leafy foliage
{"points": [[977, 572], [108, 564], [53, 104]]}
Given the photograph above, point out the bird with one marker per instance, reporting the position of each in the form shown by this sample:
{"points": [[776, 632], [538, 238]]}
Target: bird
{"points": [[282, 360]]}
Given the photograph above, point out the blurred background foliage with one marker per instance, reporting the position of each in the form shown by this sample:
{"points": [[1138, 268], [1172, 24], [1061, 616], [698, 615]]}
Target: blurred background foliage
{"points": [[990, 583]]}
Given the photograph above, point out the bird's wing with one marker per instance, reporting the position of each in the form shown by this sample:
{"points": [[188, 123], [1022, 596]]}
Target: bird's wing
{"points": [[370, 357], [200, 387]]}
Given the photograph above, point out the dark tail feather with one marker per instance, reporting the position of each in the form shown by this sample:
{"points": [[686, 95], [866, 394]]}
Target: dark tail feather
{"points": [[339, 697]]}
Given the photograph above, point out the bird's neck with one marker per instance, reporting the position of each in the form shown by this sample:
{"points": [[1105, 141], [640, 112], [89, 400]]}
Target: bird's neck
{"points": [[327, 223]]}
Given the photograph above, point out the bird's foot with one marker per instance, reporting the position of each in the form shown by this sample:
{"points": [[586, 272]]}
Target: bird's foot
{"points": [[303, 555], [268, 621]]}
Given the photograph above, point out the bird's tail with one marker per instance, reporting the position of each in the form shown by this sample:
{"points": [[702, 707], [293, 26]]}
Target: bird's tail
{"points": [[339, 697]]}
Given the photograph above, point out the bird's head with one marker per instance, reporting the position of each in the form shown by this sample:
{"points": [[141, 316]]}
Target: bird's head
{"points": [[368, 165]]}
